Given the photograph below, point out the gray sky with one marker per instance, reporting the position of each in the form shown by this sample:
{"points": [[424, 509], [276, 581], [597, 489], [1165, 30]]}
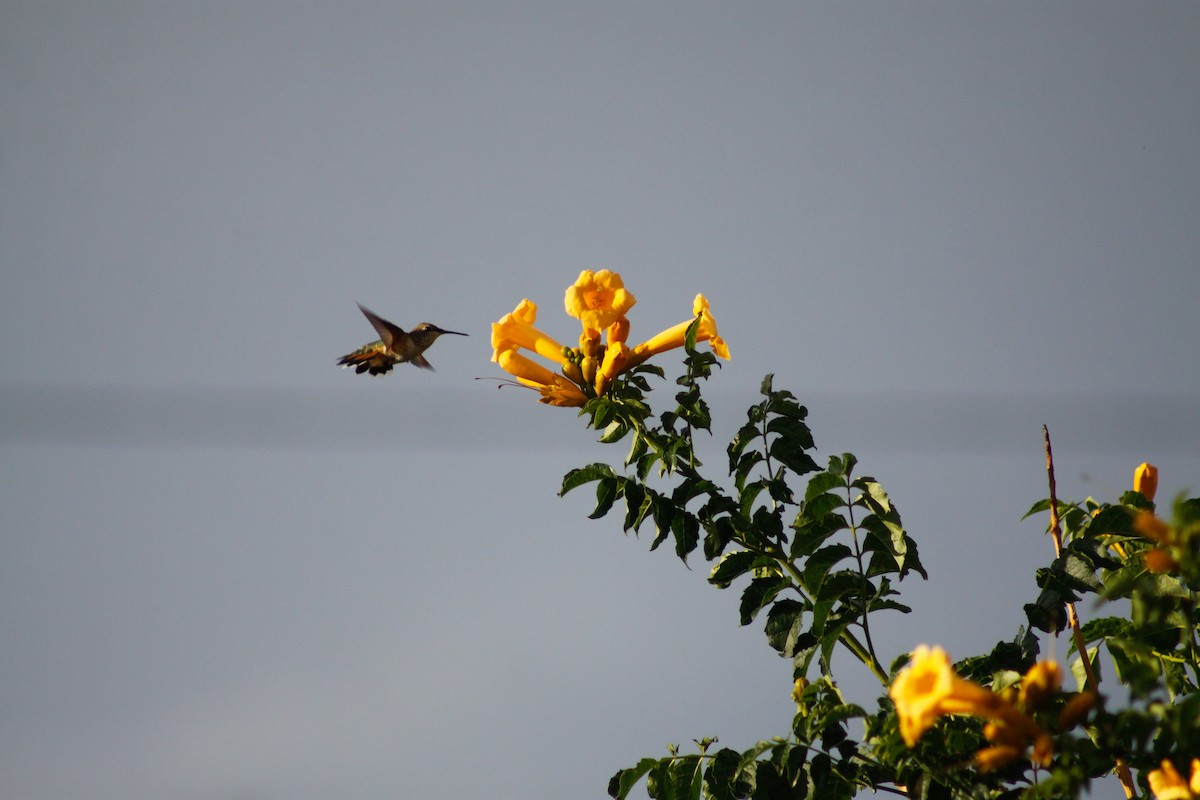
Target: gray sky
{"points": [[230, 570]]}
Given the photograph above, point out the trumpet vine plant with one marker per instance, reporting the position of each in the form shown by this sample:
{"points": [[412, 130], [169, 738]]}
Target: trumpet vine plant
{"points": [[819, 552]]}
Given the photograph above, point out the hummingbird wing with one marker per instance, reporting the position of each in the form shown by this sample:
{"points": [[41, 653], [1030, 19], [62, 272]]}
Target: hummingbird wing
{"points": [[391, 335], [420, 361], [373, 358]]}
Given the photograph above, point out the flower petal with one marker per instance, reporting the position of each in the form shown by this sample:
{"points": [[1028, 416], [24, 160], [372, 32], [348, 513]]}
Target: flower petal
{"points": [[598, 299]]}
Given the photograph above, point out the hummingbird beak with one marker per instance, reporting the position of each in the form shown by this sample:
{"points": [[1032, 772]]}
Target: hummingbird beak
{"points": [[456, 333]]}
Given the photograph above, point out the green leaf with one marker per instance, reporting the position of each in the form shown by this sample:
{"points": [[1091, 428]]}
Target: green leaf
{"points": [[602, 410], [734, 565], [844, 585], [792, 429], [785, 626], [1097, 629], [722, 775], [686, 529], [623, 782], [606, 494], [759, 593], [1076, 572], [578, 477], [817, 565], [1037, 508], [792, 456], [1136, 664], [719, 533], [637, 505], [768, 522], [1079, 673], [745, 464], [615, 431], [637, 449]]}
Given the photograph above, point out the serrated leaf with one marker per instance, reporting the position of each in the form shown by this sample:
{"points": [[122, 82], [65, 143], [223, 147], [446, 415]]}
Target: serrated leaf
{"points": [[606, 494], [745, 436], [637, 448], [636, 505], [823, 483], [745, 464], [734, 565], [818, 565], [578, 477], [758, 594], [768, 522], [623, 782], [687, 535], [1076, 572], [785, 626], [615, 431], [1037, 508], [792, 429], [792, 456]]}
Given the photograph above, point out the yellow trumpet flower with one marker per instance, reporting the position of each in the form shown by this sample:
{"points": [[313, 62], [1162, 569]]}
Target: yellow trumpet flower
{"points": [[516, 330], [598, 299], [555, 389], [929, 688], [676, 335]]}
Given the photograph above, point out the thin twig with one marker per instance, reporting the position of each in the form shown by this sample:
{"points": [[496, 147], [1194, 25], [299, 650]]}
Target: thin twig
{"points": [[1093, 682]]}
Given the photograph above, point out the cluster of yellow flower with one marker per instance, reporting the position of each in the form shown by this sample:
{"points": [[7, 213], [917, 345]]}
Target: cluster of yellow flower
{"points": [[929, 689], [599, 300]]}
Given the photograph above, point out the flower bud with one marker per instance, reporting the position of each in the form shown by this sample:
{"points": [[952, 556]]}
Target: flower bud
{"points": [[573, 373], [589, 342], [1075, 710], [798, 695], [1159, 561], [1043, 750], [1152, 527], [589, 366], [1000, 734], [1041, 681], [1145, 480], [992, 758], [618, 331]]}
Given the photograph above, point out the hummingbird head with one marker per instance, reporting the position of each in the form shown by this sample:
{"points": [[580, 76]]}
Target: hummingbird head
{"points": [[427, 330]]}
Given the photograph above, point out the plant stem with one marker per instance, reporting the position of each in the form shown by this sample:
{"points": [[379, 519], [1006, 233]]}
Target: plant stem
{"points": [[1093, 682]]}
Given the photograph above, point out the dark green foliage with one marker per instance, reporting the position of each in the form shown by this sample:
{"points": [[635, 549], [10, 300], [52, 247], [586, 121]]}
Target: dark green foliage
{"points": [[818, 553]]}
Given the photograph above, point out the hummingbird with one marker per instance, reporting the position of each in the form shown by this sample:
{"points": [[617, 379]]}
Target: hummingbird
{"points": [[394, 346]]}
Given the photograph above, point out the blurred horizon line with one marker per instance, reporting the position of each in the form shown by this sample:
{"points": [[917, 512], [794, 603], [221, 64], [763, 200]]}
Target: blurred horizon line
{"points": [[979, 422]]}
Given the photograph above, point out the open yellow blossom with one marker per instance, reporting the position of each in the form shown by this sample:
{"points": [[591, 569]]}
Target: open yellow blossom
{"points": [[929, 688], [1145, 480], [516, 330], [598, 299], [676, 335], [555, 389], [1168, 784]]}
